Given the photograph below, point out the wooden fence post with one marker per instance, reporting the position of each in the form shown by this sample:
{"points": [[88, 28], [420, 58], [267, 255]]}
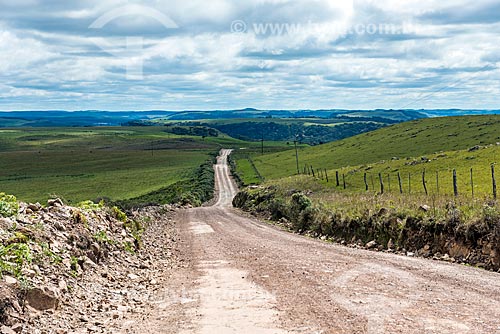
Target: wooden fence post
{"points": [[312, 170], [366, 183], [400, 183], [424, 183], [455, 184], [409, 183], [326, 174], [337, 178], [494, 181], [389, 181], [381, 183], [343, 181], [472, 181], [437, 182]]}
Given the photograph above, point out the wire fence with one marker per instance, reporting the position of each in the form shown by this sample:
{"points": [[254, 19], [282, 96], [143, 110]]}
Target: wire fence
{"points": [[471, 181]]}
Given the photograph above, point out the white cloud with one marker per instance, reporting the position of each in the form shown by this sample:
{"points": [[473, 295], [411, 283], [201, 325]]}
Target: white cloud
{"points": [[50, 59]]}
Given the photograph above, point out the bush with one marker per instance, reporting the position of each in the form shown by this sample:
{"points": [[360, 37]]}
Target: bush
{"points": [[301, 211], [8, 205], [119, 214], [13, 257], [89, 205], [79, 218]]}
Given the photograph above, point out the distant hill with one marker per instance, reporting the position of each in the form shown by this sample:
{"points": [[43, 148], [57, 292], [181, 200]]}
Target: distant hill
{"points": [[60, 118], [56, 118], [411, 139]]}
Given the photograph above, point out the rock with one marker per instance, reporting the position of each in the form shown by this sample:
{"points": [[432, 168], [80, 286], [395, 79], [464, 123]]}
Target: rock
{"points": [[42, 300], [16, 306], [6, 223], [122, 308], [410, 254], [424, 208], [283, 220], [28, 272], [18, 328], [63, 286], [390, 244], [87, 263], [55, 202], [34, 207], [7, 330], [66, 262], [474, 148], [10, 281], [59, 226], [133, 277], [371, 245]]}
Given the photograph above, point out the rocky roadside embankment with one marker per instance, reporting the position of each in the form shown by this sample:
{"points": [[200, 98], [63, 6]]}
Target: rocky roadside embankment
{"points": [[453, 239], [86, 269]]}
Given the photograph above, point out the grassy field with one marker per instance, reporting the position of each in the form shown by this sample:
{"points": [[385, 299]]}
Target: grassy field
{"points": [[438, 174], [77, 164], [407, 140], [244, 159]]}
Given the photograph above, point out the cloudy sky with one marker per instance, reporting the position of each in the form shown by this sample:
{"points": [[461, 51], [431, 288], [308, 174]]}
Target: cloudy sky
{"points": [[269, 54]]}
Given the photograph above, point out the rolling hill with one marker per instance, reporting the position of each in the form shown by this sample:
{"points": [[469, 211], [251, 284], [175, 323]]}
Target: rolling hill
{"points": [[401, 141]]}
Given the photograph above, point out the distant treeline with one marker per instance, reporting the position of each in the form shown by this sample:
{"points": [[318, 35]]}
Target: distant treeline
{"points": [[308, 134]]}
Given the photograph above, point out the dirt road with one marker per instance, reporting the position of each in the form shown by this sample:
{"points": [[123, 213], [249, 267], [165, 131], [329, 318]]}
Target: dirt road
{"points": [[249, 277]]}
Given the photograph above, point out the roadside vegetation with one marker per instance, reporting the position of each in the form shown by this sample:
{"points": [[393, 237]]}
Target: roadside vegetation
{"points": [[195, 190]]}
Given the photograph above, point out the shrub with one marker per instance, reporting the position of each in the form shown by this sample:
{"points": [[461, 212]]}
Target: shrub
{"points": [[300, 211], [8, 205], [13, 257], [17, 238], [136, 229], [102, 237], [79, 218], [119, 214], [89, 205]]}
